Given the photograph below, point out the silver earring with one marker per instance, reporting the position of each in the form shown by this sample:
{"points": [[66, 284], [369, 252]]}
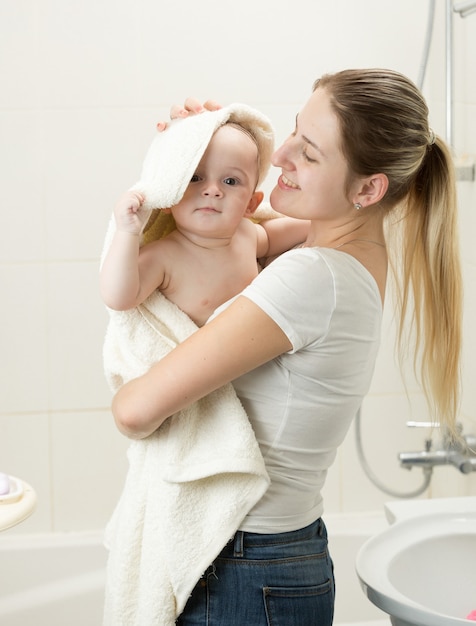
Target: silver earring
{"points": [[357, 206]]}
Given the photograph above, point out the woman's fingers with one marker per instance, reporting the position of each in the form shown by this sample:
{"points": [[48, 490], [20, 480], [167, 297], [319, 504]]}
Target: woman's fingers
{"points": [[191, 106], [211, 105]]}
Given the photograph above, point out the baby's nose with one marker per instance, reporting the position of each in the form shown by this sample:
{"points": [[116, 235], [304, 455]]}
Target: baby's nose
{"points": [[212, 189]]}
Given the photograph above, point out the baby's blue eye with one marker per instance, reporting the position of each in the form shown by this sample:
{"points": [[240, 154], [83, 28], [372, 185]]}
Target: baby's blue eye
{"points": [[230, 181]]}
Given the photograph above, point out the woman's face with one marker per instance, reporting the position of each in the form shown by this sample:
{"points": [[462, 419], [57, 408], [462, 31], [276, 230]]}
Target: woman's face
{"points": [[313, 168]]}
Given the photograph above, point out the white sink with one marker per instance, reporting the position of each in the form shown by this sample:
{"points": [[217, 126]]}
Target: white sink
{"points": [[422, 569]]}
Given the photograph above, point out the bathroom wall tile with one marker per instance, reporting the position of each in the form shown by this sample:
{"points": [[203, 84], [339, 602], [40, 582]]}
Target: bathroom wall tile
{"points": [[91, 157], [76, 326], [19, 62], [464, 131], [469, 341], [254, 70], [89, 466], [471, 82], [83, 62], [471, 484], [467, 222], [374, 50], [465, 54], [448, 482], [243, 73], [471, 121], [23, 339], [383, 435], [25, 454], [22, 232]]}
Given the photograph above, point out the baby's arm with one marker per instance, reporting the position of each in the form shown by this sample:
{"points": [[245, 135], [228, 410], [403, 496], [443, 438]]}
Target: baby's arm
{"points": [[281, 234], [124, 281]]}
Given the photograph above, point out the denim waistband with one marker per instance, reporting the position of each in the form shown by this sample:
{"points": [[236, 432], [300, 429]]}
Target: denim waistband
{"points": [[243, 539]]}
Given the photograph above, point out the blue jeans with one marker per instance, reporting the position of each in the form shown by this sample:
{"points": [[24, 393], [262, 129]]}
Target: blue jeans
{"points": [[284, 579]]}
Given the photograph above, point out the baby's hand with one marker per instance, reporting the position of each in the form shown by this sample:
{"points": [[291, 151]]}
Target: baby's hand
{"points": [[191, 106], [129, 214]]}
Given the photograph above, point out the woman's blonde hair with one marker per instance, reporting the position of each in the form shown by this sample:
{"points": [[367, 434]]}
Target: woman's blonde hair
{"points": [[383, 120]]}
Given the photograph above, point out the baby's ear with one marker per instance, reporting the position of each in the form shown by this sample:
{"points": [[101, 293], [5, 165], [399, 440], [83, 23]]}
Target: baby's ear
{"points": [[255, 200]]}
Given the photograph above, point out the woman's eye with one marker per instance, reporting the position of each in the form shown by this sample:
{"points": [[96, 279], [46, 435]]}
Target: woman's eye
{"points": [[307, 157], [230, 181]]}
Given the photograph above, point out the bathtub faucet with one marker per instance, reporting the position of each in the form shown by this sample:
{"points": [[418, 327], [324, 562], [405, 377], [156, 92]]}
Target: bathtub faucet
{"points": [[460, 451]]}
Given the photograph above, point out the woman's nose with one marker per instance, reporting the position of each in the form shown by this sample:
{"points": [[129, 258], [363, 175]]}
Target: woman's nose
{"points": [[282, 157]]}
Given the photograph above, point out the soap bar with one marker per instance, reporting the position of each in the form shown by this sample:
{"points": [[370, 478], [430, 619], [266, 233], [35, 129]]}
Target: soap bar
{"points": [[4, 484]]}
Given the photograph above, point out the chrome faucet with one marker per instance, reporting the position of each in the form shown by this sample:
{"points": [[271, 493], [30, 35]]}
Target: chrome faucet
{"points": [[460, 451]]}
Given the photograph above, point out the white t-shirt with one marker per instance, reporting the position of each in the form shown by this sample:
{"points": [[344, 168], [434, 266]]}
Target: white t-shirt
{"points": [[301, 404]]}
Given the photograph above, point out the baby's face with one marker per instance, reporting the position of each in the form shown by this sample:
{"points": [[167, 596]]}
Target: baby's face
{"points": [[231, 153], [223, 184]]}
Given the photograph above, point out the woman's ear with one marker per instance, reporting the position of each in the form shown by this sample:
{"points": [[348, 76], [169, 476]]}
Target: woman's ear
{"points": [[255, 200], [372, 190]]}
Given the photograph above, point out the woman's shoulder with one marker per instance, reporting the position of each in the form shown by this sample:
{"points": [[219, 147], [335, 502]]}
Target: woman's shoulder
{"points": [[317, 268], [326, 258]]}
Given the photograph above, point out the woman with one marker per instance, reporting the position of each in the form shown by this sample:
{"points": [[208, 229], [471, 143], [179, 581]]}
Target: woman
{"points": [[300, 342]]}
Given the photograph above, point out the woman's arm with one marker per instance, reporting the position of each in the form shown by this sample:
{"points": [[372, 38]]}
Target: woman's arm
{"points": [[237, 341]]}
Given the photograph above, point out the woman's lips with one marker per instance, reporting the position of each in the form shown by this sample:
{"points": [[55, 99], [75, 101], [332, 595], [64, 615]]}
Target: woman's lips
{"points": [[285, 183]]}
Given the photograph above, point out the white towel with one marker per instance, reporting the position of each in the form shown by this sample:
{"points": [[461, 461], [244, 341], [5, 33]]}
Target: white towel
{"points": [[190, 483]]}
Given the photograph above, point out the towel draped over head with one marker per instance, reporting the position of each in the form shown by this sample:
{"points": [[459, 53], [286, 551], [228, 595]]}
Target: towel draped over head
{"points": [[175, 153]]}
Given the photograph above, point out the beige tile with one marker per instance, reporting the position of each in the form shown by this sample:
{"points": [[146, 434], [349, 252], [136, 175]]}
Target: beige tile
{"points": [[23, 339], [88, 457], [83, 63], [467, 219], [91, 157], [22, 236], [19, 44], [383, 434], [76, 326], [468, 405]]}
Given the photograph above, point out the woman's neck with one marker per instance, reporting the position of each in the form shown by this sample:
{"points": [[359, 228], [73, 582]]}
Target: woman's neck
{"points": [[336, 235]]}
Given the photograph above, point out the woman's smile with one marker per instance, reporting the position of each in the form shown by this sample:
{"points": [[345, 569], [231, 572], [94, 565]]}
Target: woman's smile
{"points": [[284, 183]]}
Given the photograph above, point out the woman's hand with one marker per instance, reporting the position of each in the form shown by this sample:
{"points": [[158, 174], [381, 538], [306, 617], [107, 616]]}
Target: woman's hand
{"points": [[191, 106]]}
